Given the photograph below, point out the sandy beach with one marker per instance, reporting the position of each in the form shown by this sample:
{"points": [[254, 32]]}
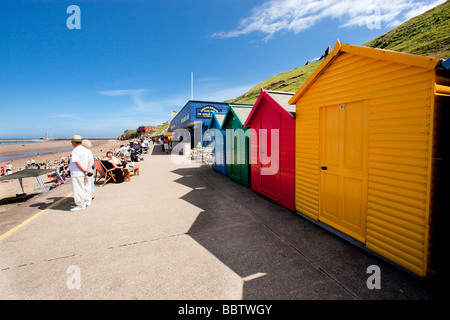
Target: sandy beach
{"points": [[11, 188], [31, 149]]}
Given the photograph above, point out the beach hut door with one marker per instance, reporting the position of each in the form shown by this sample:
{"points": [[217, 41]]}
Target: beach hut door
{"points": [[269, 161], [343, 167]]}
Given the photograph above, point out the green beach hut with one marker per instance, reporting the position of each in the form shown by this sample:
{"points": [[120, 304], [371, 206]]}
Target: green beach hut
{"points": [[237, 142]]}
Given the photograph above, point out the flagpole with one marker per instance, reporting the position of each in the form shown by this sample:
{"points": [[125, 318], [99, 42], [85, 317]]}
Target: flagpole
{"points": [[192, 86]]}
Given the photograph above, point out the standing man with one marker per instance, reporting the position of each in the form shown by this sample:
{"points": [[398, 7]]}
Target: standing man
{"points": [[81, 163]]}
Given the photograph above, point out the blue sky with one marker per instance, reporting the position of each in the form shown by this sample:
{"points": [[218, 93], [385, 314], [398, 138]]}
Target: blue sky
{"points": [[130, 62]]}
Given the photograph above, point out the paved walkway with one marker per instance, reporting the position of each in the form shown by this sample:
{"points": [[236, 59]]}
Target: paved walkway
{"points": [[182, 232]]}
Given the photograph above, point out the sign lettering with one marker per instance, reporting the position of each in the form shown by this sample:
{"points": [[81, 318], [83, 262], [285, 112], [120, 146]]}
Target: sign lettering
{"points": [[206, 111]]}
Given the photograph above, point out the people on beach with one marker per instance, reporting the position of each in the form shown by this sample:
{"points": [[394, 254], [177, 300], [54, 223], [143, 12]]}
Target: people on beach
{"points": [[121, 152], [88, 144], [64, 170], [61, 167], [81, 162], [2, 172], [166, 145], [118, 166], [9, 168], [144, 145], [119, 163]]}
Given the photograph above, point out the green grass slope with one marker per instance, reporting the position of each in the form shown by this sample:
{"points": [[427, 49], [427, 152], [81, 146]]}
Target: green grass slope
{"points": [[426, 35], [289, 81], [160, 128]]}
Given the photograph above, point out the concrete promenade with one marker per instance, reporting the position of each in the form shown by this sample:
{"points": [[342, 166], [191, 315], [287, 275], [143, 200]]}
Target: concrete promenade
{"points": [[183, 232]]}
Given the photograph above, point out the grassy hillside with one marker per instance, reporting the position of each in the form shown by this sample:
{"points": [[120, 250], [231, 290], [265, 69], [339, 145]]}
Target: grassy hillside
{"points": [[289, 81], [426, 34], [160, 128], [128, 134]]}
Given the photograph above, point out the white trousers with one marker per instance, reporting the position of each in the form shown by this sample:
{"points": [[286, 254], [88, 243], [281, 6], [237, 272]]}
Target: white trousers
{"points": [[82, 190]]}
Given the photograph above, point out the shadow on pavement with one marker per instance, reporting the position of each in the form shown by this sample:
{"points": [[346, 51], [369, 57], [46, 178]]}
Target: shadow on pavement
{"points": [[158, 151], [18, 198], [278, 254], [63, 205]]}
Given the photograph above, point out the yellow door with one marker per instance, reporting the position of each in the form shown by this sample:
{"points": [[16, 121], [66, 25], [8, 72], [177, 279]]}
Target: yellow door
{"points": [[343, 171]]}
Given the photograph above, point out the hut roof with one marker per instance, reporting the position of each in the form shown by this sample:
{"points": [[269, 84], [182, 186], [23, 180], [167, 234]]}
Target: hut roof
{"points": [[278, 99], [241, 112], [386, 55], [282, 98], [218, 117]]}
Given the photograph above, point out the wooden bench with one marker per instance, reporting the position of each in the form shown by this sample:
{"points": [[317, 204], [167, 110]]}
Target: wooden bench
{"points": [[128, 170]]}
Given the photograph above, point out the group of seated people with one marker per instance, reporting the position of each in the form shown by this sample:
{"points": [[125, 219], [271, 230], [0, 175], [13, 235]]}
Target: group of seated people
{"points": [[133, 150], [119, 164], [110, 161]]}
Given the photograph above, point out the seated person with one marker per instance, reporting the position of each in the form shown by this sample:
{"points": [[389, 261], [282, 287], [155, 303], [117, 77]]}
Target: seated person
{"points": [[63, 171], [117, 164], [120, 153]]}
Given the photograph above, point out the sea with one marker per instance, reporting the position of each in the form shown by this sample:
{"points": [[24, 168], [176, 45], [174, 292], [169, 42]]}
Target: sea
{"points": [[19, 155], [18, 141]]}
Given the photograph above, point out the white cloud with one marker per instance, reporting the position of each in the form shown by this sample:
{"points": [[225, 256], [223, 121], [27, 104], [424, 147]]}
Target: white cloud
{"points": [[276, 16], [142, 110], [421, 9], [139, 103]]}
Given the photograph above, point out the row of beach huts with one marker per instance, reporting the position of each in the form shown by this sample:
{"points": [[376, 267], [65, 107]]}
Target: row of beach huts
{"points": [[359, 149]]}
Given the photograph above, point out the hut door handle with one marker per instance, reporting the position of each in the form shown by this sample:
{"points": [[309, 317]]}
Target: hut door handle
{"points": [[323, 168]]}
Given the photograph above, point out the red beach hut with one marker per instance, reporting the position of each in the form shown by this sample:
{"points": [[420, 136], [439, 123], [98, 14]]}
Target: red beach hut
{"points": [[272, 123]]}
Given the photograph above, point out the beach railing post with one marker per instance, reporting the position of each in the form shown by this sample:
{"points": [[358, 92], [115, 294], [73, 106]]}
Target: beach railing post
{"points": [[41, 183], [21, 184], [60, 176]]}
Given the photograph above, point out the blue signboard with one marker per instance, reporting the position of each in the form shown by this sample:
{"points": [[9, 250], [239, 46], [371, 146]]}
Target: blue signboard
{"points": [[206, 112], [195, 111], [198, 113]]}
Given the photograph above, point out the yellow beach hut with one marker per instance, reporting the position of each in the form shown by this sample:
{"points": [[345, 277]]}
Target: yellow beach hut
{"points": [[368, 146]]}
